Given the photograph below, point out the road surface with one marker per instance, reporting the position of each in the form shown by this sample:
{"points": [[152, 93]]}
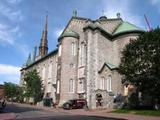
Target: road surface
{"points": [[27, 112]]}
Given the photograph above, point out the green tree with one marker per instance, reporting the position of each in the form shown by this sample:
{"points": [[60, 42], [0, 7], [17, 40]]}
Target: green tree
{"points": [[33, 85], [13, 91], [140, 64], [19, 94]]}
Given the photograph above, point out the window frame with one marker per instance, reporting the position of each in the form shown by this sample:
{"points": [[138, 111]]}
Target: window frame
{"points": [[73, 48], [109, 83], [71, 86]]}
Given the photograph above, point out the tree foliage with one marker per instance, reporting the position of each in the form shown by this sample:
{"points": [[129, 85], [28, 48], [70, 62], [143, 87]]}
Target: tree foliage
{"points": [[33, 85], [140, 63], [13, 91]]}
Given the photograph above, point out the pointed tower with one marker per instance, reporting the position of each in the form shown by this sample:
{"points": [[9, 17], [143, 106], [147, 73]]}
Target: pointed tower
{"points": [[43, 48], [29, 60], [34, 53]]}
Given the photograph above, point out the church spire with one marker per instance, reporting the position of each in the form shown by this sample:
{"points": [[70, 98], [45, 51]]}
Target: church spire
{"points": [[43, 48], [29, 60], [46, 24], [34, 53]]}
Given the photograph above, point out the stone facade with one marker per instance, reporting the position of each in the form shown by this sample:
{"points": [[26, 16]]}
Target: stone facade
{"points": [[86, 61]]}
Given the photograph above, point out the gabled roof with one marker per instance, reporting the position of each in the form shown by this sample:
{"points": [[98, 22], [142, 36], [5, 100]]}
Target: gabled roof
{"points": [[73, 17], [111, 27], [123, 28], [109, 65], [126, 27]]}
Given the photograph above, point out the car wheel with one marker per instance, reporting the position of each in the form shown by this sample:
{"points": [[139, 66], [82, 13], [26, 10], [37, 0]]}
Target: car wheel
{"points": [[68, 106]]}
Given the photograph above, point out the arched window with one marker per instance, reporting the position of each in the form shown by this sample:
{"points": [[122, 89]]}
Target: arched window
{"points": [[102, 83], [81, 85], [43, 73], [73, 48], [59, 50], [71, 86], [50, 70], [109, 83], [82, 52], [58, 87]]}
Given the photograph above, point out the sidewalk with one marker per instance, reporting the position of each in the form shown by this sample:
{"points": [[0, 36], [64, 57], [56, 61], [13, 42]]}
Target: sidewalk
{"points": [[101, 113]]}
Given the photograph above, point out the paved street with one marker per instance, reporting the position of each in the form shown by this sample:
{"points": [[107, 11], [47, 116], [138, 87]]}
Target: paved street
{"points": [[27, 112]]}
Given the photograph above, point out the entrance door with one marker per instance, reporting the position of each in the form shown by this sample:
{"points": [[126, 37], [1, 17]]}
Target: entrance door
{"points": [[99, 100]]}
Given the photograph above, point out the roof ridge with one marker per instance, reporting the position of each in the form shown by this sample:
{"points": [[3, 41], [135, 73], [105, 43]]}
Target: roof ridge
{"points": [[38, 60], [117, 27], [132, 25], [81, 18], [109, 65]]}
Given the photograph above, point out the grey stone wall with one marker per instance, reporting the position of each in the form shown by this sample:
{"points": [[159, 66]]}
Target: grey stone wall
{"points": [[119, 44], [98, 49], [47, 82], [67, 71]]}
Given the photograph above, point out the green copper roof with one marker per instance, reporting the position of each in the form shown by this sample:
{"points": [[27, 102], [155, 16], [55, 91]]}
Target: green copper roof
{"points": [[111, 66], [126, 27], [69, 33]]}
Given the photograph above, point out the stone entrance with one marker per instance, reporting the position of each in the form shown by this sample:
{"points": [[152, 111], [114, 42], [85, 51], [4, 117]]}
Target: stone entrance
{"points": [[99, 100]]}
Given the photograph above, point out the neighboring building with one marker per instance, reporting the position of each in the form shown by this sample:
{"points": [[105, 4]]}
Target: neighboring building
{"points": [[86, 61]]}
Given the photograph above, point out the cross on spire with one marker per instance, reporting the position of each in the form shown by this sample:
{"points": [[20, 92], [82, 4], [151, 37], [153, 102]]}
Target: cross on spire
{"points": [[103, 13], [74, 13]]}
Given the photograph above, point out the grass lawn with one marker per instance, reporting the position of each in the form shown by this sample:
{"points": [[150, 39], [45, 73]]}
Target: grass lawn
{"points": [[138, 112]]}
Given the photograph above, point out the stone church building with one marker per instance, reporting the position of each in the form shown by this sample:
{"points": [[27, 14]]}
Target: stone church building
{"points": [[85, 63]]}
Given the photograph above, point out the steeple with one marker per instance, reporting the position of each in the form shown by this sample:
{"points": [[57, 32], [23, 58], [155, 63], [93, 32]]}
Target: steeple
{"points": [[34, 53], [29, 60], [43, 48]]}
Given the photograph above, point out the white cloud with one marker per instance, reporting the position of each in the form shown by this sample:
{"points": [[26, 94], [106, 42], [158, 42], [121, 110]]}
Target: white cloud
{"points": [[9, 28], [9, 73], [11, 13], [124, 7], [9, 69], [8, 33]]}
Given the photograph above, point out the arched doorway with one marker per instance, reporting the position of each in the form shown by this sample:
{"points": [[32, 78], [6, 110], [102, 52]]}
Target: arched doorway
{"points": [[99, 99]]}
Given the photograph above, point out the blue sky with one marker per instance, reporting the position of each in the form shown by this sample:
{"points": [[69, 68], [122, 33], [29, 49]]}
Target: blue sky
{"points": [[22, 22]]}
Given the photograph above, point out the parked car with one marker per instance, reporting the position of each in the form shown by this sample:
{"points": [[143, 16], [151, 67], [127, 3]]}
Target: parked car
{"points": [[74, 104]]}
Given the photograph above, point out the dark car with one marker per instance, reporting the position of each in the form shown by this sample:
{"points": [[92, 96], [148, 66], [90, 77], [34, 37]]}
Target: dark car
{"points": [[74, 104]]}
